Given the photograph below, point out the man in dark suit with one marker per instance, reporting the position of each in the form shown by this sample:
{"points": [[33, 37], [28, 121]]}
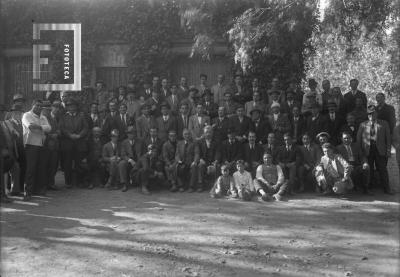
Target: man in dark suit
{"points": [[252, 154], [385, 111], [164, 90], [94, 118], [154, 103], [309, 159], [185, 157], [272, 147], [112, 157], [288, 160], [241, 124], [96, 165], [174, 100], [279, 122], [220, 126], [168, 158], [231, 151], [123, 121], [350, 97], [182, 119], [165, 122], [110, 121], [210, 108], [288, 105], [145, 93], [74, 128], [375, 140], [209, 155], [183, 89], [334, 122], [239, 93], [298, 123], [154, 140], [132, 149], [260, 126], [350, 127], [150, 169], [144, 122], [316, 122], [352, 153]]}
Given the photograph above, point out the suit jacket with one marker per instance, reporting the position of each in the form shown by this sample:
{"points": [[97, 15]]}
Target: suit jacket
{"points": [[241, 128], [165, 126], [211, 109], [174, 105], [314, 127], [110, 123], [180, 125], [149, 164], [123, 126], [358, 155], [134, 151], [309, 157], [154, 106], [387, 112], [298, 127], [231, 152], [218, 91], [287, 108], [343, 168], [279, 126], [196, 128], [183, 92], [230, 108], [252, 155], [191, 105], [109, 151], [168, 153], [220, 129], [164, 94], [70, 124], [52, 139], [143, 125], [240, 97], [211, 154], [334, 127], [158, 143], [383, 138], [262, 129], [289, 156], [98, 122], [350, 100], [190, 155]]}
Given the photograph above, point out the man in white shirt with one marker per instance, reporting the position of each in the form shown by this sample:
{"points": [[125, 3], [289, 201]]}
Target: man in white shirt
{"points": [[35, 128]]}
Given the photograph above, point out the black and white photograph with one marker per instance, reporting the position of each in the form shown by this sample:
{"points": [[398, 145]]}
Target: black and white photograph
{"points": [[199, 138]]}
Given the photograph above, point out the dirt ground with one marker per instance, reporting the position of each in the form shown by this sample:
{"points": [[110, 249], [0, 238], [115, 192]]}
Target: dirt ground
{"points": [[80, 232]]}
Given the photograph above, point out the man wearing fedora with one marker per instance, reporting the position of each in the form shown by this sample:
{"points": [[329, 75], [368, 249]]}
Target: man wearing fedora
{"points": [[375, 140]]}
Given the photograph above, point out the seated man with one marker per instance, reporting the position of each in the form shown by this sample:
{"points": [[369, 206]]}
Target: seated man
{"points": [[270, 182], [95, 161], [352, 153], [168, 156], [132, 149], [243, 182], [186, 152], [333, 172], [252, 154], [288, 159], [207, 159], [150, 169], [231, 151], [112, 157], [309, 157]]}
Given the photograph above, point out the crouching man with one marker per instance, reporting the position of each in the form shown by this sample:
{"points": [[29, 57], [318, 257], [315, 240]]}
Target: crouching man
{"points": [[270, 182], [333, 172]]}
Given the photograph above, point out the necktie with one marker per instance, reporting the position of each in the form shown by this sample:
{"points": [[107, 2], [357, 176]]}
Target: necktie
{"points": [[372, 132]]}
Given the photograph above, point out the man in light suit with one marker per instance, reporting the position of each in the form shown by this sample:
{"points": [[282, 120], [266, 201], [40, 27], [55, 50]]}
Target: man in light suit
{"points": [[197, 122], [185, 157], [352, 153], [333, 172], [256, 103], [182, 119], [218, 90], [375, 141]]}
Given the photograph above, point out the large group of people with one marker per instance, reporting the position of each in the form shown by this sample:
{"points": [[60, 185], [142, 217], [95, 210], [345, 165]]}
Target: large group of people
{"points": [[234, 140]]}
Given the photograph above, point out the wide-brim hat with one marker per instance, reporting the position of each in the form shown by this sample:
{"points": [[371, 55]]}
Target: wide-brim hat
{"points": [[327, 145], [18, 97], [255, 109], [322, 134]]}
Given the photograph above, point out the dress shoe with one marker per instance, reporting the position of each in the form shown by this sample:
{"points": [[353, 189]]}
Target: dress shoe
{"points": [[266, 197], [145, 190], [173, 189], [181, 190], [199, 190], [124, 188], [190, 190]]}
